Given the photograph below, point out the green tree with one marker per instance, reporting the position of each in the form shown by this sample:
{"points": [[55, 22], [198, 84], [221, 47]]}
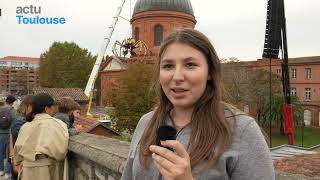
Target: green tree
{"points": [[22, 81], [258, 91], [249, 86], [132, 97], [65, 65], [234, 76], [277, 113]]}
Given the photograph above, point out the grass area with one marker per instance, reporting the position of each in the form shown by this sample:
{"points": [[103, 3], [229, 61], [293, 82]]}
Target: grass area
{"points": [[311, 137]]}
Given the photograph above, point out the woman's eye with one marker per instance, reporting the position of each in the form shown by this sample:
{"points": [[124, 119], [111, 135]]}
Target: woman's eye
{"points": [[167, 66], [191, 65]]}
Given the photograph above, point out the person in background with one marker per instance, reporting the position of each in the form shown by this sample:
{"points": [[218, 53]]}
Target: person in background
{"points": [[7, 116], [214, 140], [16, 103], [55, 107], [68, 111], [23, 110], [42, 143]]}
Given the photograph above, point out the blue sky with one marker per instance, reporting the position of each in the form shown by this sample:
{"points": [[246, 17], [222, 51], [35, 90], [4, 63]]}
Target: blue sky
{"points": [[236, 28]]}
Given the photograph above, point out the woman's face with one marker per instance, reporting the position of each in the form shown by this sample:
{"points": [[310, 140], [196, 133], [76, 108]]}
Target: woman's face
{"points": [[76, 113], [50, 110], [183, 74]]}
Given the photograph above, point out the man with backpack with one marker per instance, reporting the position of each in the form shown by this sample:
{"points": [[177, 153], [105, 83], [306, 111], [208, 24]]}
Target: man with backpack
{"points": [[7, 116]]}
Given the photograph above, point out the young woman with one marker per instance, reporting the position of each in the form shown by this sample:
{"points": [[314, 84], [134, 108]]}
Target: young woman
{"points": [[214, 140], [23, 110], [42, 143], [68, 111]]}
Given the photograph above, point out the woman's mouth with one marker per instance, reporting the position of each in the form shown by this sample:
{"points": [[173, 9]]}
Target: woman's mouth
{"points": [[178, 92]]}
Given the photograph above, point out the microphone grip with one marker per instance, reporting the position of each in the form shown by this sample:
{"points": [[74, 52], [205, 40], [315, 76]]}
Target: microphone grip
{"points": [[165, 133]]}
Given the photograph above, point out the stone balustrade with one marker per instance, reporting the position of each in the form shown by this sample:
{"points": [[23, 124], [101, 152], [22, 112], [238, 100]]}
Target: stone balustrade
{"points": [[94, 157]]}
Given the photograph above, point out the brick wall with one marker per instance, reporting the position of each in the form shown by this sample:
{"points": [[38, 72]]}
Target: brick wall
{"points": [[108, 80]]}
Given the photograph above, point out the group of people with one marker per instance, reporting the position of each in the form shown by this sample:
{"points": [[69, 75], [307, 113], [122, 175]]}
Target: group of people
{"points": [[213, 141], [34, 138]]}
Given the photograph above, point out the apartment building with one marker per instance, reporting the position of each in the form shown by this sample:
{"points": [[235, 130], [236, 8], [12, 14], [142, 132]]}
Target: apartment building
{"points": [[18, 75]]}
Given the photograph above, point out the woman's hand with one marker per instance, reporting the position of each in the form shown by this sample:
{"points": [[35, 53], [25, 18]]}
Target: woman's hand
{"points": [[79, 128], [172, 165]]}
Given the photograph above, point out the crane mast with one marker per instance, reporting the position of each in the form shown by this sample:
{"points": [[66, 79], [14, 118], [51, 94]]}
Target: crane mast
{"points": [[95, 70]]}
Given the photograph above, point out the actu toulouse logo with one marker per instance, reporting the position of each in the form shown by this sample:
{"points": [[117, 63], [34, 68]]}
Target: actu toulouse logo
{"points": [[32, 15]]}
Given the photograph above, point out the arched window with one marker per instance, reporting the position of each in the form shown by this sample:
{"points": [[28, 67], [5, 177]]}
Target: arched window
{"points": [[158, 35], [136, 34]]}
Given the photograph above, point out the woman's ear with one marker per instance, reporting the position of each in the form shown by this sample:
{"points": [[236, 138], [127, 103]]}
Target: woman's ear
{"points": [[49, 110], [28, 109], [46, 110]]}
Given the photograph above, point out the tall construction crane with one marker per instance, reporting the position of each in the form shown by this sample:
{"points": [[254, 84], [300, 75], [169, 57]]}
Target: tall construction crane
{"points": [[94, 73], [275, 39]]}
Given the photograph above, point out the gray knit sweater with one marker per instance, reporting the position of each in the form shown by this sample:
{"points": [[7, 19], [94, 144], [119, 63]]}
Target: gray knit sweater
{"points": [[248, 158]]}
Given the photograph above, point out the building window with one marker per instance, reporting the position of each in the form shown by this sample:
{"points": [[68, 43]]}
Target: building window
{"points": [[246, 109], [136, 34], [17, 63], [294, 73], [158, 35], [3, 63], [308, 73], [307, 94], [307, 117], [293, 91], [278, 71]]}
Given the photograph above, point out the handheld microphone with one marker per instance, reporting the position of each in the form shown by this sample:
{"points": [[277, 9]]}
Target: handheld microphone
{"points": [[165, 133]]}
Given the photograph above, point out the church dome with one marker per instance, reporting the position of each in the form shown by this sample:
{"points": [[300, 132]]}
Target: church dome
{"points": [[166, 5]]}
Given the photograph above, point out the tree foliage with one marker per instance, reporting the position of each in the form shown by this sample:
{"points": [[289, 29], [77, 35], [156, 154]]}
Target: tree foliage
{"points": [[242, 84], [22, 81], [252, 87], [132, 97], [277, 113], [259, 90], [65, 65], [235, 79]]}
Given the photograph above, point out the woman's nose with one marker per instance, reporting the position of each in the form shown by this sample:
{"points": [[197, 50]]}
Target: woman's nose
{"points": [[178, 74]]}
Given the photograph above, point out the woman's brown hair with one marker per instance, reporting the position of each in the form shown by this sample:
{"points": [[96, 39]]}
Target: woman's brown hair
{"points": [[67, 104], [25, 106], [211, 133]]}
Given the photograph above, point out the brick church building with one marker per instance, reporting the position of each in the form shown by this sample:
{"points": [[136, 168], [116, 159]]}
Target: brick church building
{"points": [[151, 22]]}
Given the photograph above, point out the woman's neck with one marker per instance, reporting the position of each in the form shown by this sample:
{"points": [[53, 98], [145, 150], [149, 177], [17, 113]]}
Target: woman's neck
{"points": [[181, 116]]}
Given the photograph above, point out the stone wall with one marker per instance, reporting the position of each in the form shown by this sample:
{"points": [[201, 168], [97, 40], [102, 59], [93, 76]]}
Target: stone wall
{"points": [[94, 157]]}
